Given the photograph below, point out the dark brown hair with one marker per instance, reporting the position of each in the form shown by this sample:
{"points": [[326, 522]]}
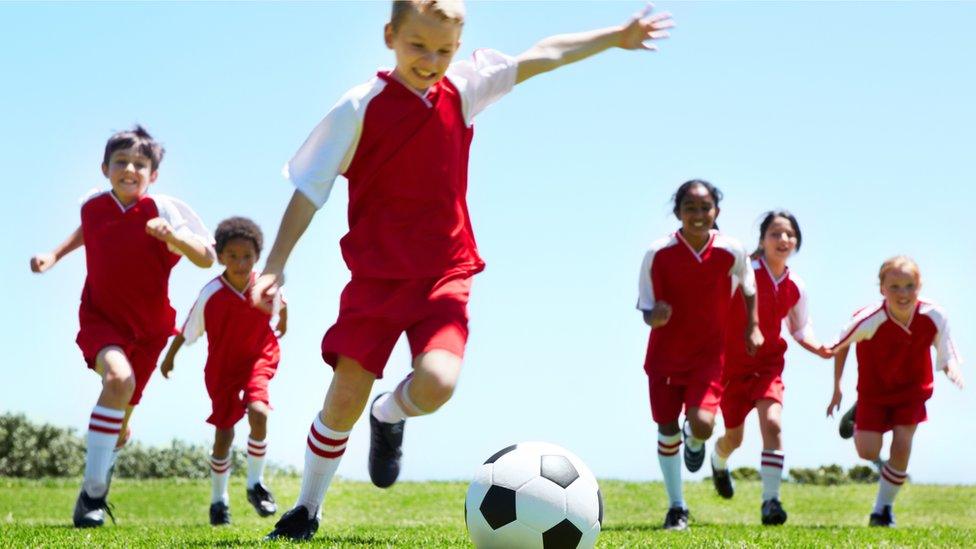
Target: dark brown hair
{"points": [[238, 227], [139, 139]]}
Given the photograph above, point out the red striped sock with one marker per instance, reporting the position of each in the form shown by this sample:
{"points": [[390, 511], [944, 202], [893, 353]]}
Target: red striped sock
{"points": [[324, 449]]}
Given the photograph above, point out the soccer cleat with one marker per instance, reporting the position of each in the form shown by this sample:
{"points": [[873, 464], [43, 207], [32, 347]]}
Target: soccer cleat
{"points": [[676, 519], [722, 479], [219, 514], [773, 513], [693, 459], [385, 441], [885, 519], [262, 500], [295, 525], [90, 512], [846, 426]]}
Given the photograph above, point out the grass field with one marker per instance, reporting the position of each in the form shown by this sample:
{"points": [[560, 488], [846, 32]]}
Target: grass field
{"points": [[173, 513]]}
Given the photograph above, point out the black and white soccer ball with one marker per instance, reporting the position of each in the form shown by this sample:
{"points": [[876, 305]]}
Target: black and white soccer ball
{"points": [[533, 494]]}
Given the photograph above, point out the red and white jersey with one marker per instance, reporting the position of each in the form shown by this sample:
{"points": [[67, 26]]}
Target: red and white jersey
{"points": [[128, 270], [894, 362], [777, 300], [405, 155], [238, 334], [699, 287]]}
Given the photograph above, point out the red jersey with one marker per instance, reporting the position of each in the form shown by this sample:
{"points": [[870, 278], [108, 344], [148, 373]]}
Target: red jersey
{"points": [[405, 155], [776, 300], [128, 270], [238, 334], [894, 362], [699, 287]]}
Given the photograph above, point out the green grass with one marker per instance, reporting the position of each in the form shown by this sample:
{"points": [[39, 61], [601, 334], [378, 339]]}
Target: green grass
{"points": [[173, 513]]}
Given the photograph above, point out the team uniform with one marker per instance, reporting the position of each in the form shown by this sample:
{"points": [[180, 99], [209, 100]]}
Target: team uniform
{"points": [[410, 246], [894, 363], [685, 356], [125, 300], [242, 350], [748, 379]]}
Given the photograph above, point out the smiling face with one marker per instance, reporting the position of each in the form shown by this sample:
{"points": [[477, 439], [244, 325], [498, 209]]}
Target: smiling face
{"points": [[238, 256], [779, 241], [900, 287], [424, 44], [697, 212], [130, 173]]}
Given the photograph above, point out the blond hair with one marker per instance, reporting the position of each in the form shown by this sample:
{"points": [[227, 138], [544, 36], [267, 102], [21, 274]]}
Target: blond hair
{"points": [[900, 263], [448, 10]]}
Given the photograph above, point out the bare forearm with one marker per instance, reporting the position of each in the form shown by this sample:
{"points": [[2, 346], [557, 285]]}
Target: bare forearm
{"points": [[174, 347], [839, 359], [74, 241], [563, 49], [200, 254], [752, 312], [296, 219]]}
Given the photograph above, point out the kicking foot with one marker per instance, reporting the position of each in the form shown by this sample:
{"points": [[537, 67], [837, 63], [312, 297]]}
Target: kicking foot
{"points": [[385, 442], [846, 426], [722, 479], [262, 500]]}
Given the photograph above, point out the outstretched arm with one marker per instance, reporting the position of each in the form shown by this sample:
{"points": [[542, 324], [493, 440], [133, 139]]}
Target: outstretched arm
{"points": [[296, 219], [44, 261], [563, 49]]}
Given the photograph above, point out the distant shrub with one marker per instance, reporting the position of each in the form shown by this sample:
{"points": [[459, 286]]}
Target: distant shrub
{"points": [[825, 475], [745, 473], [863, 474], [29, 450]]}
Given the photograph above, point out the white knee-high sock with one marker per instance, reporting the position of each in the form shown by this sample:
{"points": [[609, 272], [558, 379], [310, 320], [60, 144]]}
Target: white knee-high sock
{"points": [[323, 452], [888, 486], [668, 448], [396, 406], [771, 472], [219, 477], [256, 450], [104, 427]]}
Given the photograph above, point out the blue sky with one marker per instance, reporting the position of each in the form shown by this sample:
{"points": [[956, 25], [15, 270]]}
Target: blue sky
{"points": [[857, 116]]}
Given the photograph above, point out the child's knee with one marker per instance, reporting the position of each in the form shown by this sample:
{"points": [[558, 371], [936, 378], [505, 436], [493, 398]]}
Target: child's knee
{"points": [[257, 413], [867, 452], [121, 384]]}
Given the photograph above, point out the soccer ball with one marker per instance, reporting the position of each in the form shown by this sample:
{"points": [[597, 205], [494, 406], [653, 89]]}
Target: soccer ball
{"points": [[533, 494]]}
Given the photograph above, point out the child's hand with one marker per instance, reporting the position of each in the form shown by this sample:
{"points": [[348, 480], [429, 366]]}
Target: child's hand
{"points": [[264, 290], [166, 367], [282, 326], [42, 262], [824, 352], [160, 229], [955, 376], [754, 340], [643, 27], [834, 403], [660, 314]]}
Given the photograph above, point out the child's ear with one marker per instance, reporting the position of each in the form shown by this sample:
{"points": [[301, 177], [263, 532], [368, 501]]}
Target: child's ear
{"points": [[105, 169], [153, 175], [388, 35], [717, 211]]}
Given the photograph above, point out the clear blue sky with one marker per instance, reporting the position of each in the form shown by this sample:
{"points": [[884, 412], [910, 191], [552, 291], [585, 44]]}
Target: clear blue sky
{"points": [[857, 116]]}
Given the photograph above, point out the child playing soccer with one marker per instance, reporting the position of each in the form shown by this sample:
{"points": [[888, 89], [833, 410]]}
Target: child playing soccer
{"points": [[686, 285], [754, 381], [894, 373], [132, 241], [402, 140], [242, 357]]}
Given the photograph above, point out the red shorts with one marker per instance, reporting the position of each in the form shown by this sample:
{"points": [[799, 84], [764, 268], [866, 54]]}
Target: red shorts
{"points": [[883, 417], [374, 312], [96, 334], [231, 391], [740, 394], [668, 395]]}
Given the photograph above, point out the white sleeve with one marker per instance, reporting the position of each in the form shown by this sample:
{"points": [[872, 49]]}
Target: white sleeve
{"points": [[798, 319], [645, 284], [195, 324], [482, 80], [945, 349], [185, 222], [743, 271], [862, 326], [328, 150]]}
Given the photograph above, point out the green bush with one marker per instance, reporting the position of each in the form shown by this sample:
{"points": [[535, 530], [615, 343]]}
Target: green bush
{"points": [[830, 475], [745, 473], [28, 450], [863, 474]]}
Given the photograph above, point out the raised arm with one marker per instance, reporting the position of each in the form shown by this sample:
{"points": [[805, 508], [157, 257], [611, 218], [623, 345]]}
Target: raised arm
{"points": [[44, 261], [296, 219], [563, 49]]}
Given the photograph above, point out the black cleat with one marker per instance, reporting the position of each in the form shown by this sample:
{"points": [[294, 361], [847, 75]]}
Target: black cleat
{"points": [[295, 525], [722, 479], [385, 441], [262, 500], [219, 514], [676, 519], [90, 512], [885, 519], [846, 426], [693, 459], [773, 513]]}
